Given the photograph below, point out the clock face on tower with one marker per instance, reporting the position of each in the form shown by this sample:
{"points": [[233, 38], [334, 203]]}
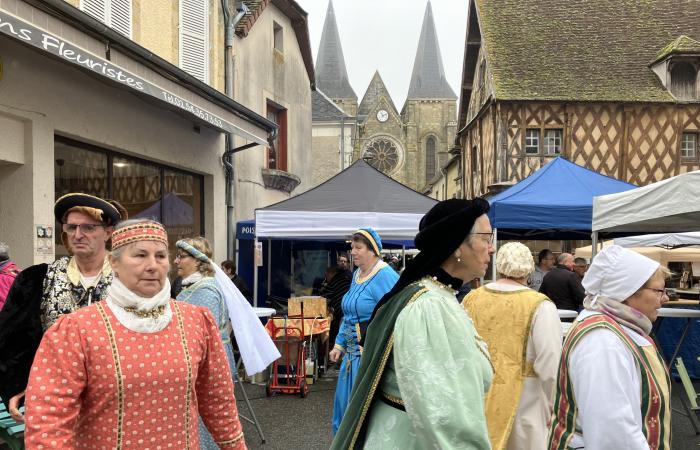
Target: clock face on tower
{"points": [[382, 115]]}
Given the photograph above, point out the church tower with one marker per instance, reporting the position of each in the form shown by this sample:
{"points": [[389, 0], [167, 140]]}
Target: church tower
{"points": [[380, 138], [429, 114], [331, 74]]}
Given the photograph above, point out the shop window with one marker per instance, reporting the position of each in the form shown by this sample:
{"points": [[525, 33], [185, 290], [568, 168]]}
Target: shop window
{"points": [[277, 154], [689, 146], [145, 189], [194, 38], [278, 37], [552, 142], [113, 13], [430, 159], [532, 141]]}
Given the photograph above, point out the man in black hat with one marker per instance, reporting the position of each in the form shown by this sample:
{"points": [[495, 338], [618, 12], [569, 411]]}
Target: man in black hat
{"points": [[43, 292]]}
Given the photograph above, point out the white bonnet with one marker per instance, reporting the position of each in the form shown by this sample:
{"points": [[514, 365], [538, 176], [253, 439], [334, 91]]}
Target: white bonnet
{"points": [[617, 273], [514, 260]]}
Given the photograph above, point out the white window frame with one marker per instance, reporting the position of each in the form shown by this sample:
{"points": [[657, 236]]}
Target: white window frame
{"points": [[532, 142], [189, 34], [688, 153], [553, 138], [109, 12]]}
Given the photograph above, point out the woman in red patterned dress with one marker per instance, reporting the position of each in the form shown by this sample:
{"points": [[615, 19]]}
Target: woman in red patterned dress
{"points": [[136, 369]]}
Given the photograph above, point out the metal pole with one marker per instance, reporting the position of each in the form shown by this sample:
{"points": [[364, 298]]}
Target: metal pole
{"points": [[403, 256], [255, 272], [495, 250], [594, 244], [269, 266]]}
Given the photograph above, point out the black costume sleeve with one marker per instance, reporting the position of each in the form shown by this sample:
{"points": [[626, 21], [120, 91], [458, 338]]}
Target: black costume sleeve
{"points": [[20, 330]]}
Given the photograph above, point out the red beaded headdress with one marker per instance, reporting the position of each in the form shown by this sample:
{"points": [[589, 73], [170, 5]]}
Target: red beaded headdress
{"points": [[145, 231]]}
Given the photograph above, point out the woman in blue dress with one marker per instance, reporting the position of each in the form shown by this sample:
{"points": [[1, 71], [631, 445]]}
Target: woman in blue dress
{"points": [[372, 279], [199, 288]]}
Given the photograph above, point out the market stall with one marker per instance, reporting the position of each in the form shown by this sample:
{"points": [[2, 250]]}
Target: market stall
{"points": [[555, 202]]}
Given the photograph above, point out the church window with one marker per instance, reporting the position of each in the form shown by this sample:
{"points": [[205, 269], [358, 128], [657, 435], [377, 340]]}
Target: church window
{"points": [[552, 142], [689, 146], [532, 141], [383, 155], [113, 13], [277, 36], [194, 38], [277, 154], [430, 159], [684, 81]]}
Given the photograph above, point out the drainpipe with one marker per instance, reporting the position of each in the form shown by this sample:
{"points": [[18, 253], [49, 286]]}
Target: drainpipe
{"points": [[230, 23]]}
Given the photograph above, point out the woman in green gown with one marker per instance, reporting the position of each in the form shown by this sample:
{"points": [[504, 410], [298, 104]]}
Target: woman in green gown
{"points": [[424, 369]]}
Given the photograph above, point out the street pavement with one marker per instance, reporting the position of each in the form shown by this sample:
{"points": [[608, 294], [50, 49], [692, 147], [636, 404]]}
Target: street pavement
{"points": [[291, 422]]}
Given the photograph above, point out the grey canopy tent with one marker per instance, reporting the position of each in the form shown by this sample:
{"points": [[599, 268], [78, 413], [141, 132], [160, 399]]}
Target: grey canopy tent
{"points": [[359, 196]]}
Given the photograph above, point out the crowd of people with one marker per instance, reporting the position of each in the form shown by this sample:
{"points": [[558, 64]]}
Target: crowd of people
{"points": [[104, 352]]}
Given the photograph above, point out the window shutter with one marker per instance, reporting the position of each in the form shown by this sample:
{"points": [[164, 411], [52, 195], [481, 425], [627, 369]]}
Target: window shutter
{"points": [[194, 38], [113, 13], [120, 16], [96, 8]]}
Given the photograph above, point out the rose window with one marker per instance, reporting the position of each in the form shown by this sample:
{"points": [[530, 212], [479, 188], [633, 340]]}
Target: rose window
{"points": [[383, 155]]}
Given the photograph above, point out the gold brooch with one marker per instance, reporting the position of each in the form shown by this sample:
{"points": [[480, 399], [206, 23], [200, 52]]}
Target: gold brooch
{"points": [[151, 313]]}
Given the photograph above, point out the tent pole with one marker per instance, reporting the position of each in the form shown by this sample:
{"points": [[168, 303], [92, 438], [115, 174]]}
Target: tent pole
{"points": [[493, 258], [594, 244], [269, 264], [255, 272], [403, 256]]}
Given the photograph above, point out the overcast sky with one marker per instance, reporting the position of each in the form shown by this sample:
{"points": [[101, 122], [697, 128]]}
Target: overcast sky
{"points": [[383, 35]]}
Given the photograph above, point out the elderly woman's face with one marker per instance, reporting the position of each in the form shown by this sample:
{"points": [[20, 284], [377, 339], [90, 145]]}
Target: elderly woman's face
{"points": [[362, 255], [649, 299], [475, 253], [186, 264], [142, 267]]}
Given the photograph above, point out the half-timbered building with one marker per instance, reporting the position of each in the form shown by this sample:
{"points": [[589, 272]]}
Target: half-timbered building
{"points": [[612, 86]]}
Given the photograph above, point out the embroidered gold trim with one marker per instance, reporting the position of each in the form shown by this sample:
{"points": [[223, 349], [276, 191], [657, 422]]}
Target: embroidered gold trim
{"points": [[394, 399], [235, 440], [117, 373], [378, 375], [188, 360], [151, 313]]}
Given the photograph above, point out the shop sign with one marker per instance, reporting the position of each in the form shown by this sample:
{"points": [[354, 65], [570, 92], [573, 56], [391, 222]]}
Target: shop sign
{"points": [[20, 30]]}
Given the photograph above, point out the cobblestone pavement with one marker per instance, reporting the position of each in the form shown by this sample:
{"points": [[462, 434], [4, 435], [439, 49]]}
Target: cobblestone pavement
{"points": [[290, 422]]}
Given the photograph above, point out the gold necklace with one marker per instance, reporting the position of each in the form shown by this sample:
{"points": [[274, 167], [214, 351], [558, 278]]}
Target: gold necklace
{"points": [[151, 313]]}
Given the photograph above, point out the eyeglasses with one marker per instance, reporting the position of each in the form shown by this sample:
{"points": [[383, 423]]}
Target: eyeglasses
{"points": [[85, 228], [490, 238], [662, 292], [182, 255]]}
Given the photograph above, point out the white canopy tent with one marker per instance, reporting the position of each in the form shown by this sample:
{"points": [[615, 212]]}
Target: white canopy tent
{"points": [[660, 254], [669, 241], [666, 206]]}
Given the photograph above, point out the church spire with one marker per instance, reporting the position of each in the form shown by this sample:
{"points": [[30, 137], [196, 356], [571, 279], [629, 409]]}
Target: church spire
{"points": [[428, 78], [331, 75]]}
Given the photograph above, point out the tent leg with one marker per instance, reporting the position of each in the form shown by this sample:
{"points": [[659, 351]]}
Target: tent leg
{"points": [[594, 244], [269, 266], [493, 258], [255, 273], [403, 256]]}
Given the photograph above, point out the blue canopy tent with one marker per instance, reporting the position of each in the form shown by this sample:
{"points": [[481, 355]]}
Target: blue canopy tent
{"points": [[555, 202]]}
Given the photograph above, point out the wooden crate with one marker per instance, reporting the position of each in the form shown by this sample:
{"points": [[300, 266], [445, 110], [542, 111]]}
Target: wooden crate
{"points": [[313, 306]]}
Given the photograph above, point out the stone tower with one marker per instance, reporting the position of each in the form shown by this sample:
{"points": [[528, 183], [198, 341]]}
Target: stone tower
{"points": [[429, 113], [331, 74]]}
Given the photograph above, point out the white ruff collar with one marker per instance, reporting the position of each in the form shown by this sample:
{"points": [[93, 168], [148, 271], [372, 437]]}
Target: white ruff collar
{"points": [[192, 279], [121, 300]]}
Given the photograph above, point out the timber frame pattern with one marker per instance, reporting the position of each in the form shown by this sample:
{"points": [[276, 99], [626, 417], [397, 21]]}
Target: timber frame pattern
{"points": [[626, 137]]}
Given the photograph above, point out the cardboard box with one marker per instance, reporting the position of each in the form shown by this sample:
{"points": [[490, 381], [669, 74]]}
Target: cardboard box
{"points": [[313, 306]]}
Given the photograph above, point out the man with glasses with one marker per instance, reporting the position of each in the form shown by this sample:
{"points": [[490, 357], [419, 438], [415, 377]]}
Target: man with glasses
{"points": [[43, 292], [545, 262]]}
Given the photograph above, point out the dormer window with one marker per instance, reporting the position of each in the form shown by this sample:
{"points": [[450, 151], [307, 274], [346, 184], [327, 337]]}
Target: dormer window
{"points": [[684, 81]]}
